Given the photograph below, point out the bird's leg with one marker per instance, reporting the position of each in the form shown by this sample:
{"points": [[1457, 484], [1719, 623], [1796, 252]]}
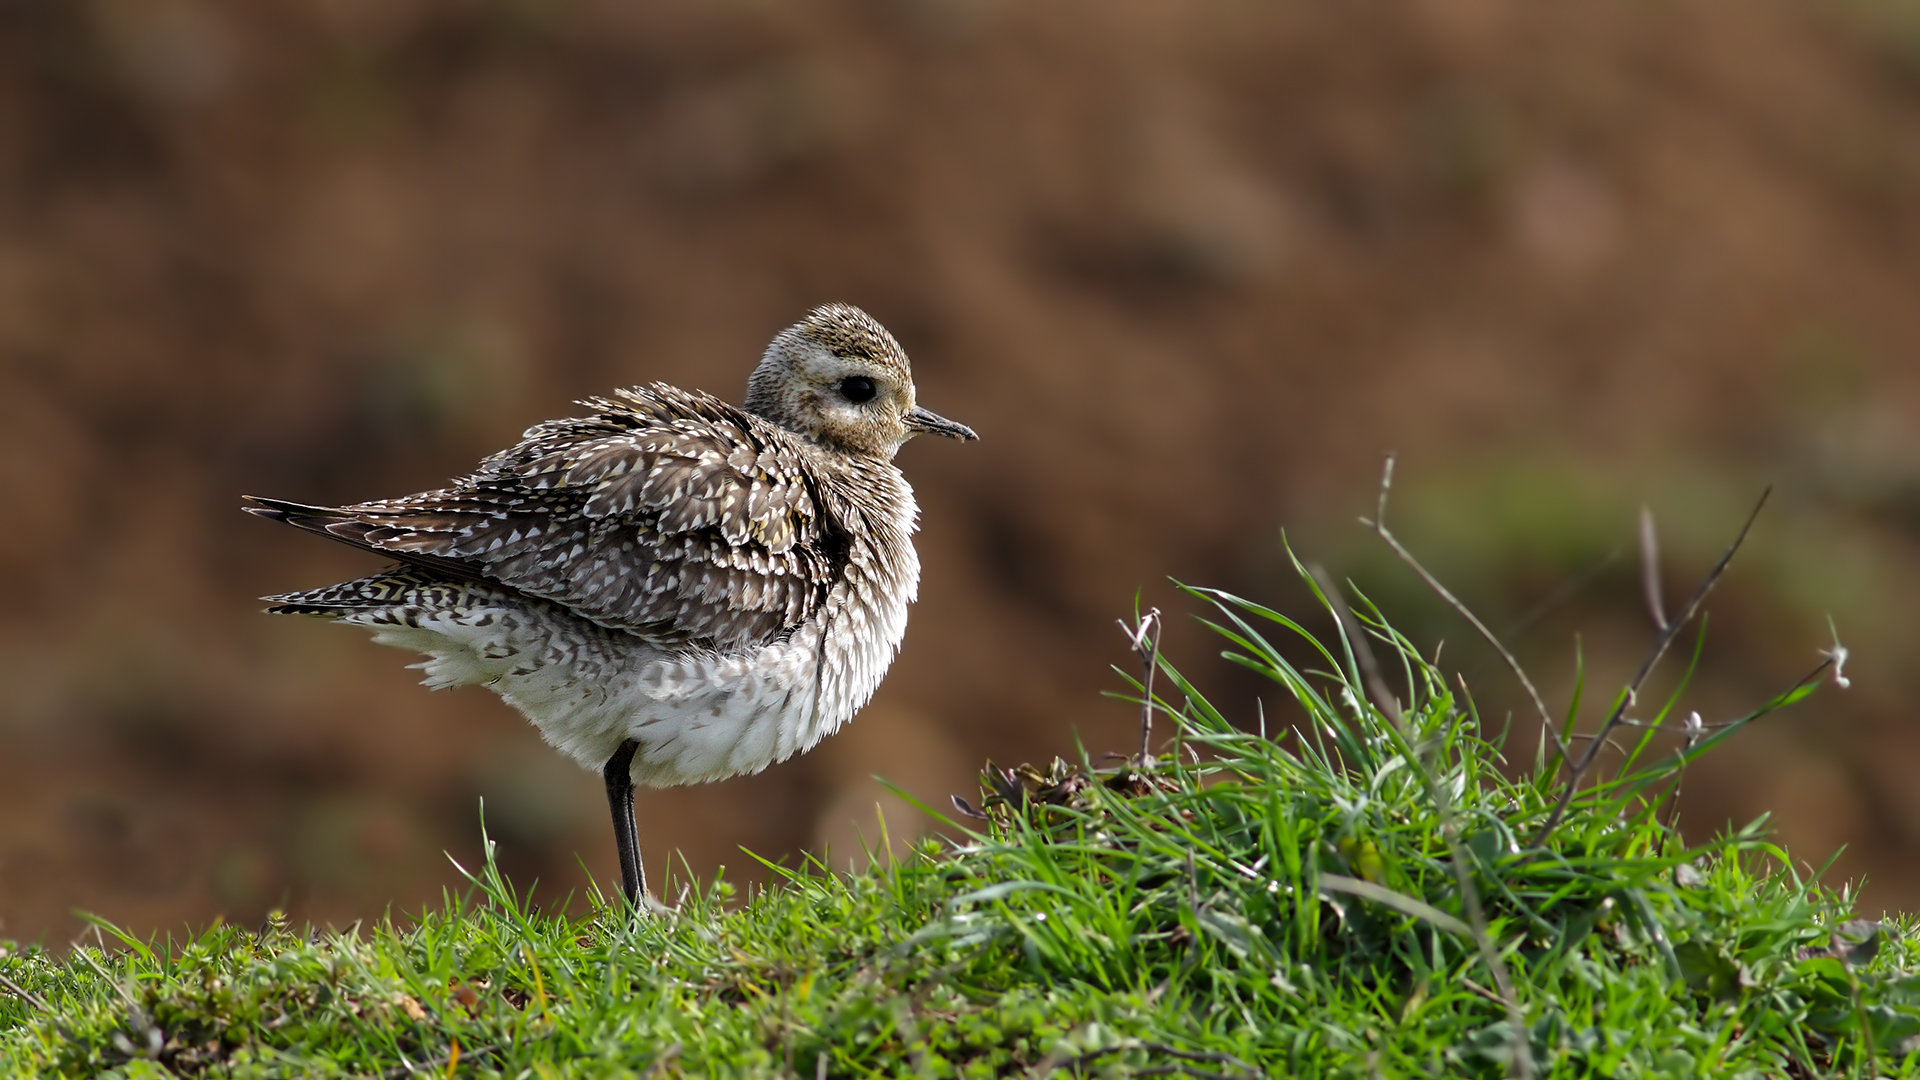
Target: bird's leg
{"points": [[633, 876]]}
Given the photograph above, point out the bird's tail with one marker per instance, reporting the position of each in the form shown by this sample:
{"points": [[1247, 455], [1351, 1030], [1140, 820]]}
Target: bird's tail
{"points": [[360, 528], [400, 587], [326, 520]]}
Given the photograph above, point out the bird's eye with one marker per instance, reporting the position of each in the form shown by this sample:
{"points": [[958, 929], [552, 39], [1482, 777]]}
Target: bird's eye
{"points": [[857, 388]]}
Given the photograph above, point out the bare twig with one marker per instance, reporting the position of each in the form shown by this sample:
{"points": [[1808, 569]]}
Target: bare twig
{"points": [[1659, 649], [1577, 736], [1149, 653], [1693, 733], [1481, 990], [1693, 730], [1379, 526], [1383, 699], [1650, 569], [1687, 728], [25, 994]]}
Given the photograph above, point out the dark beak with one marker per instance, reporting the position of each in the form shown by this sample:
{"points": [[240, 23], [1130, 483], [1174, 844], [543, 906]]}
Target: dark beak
{"points": [[922, 422]]}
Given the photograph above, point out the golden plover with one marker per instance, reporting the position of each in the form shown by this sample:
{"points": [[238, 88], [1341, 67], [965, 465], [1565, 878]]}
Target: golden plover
{"points": [[672, 589]]}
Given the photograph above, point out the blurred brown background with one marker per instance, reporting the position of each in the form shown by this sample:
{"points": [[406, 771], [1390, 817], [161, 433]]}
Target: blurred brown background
{"points": [[1190, 269]]}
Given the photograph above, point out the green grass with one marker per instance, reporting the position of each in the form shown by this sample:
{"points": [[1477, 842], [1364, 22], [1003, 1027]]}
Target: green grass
{"points": [[1249, 906]]}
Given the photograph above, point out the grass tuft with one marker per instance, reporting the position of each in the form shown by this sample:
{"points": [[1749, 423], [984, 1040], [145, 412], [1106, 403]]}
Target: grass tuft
{"points": [[1239, 906]]}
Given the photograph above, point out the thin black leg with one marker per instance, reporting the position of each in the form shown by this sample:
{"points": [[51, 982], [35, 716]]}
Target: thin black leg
{"points": [[633, 876]]}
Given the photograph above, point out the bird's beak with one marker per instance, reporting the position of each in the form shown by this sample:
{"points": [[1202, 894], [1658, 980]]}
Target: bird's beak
{"points": [[920, 422]]}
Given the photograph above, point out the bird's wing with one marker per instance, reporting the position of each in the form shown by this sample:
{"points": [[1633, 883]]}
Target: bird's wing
{"points": [[667, 513]]}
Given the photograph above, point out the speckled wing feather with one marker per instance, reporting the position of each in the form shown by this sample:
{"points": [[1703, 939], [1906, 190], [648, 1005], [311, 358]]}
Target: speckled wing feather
{"points": [[667, 513]]}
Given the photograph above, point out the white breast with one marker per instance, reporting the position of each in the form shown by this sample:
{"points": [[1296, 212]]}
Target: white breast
{"points": [[698, 715]]}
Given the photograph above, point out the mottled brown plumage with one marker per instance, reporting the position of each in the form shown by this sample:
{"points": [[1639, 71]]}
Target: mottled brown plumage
{"points": [[671, 586], [668, 514]]}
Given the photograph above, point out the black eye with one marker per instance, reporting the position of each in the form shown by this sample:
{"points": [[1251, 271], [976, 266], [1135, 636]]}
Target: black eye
{"points": [[857, 388]]}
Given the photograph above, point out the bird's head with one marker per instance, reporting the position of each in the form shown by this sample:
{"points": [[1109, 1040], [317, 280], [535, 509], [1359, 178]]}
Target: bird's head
{"points": [[839, 378]]}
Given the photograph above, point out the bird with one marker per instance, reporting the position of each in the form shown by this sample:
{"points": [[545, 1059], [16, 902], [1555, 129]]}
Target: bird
{"points": [[672, 589]]}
